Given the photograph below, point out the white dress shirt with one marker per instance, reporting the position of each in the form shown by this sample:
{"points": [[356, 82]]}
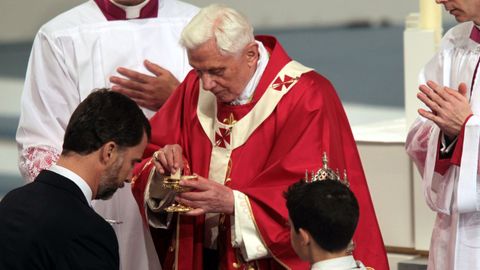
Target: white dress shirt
{"points": [[341, 263]]}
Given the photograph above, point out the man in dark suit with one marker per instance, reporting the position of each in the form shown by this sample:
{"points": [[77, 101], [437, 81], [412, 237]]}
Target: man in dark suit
{"points": [[49, 223]]}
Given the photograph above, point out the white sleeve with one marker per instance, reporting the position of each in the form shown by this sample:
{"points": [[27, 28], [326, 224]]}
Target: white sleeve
{"points": [[244, 233], [419, 133], [417, 141], [49, 97], [156, 199], [421, 145]]}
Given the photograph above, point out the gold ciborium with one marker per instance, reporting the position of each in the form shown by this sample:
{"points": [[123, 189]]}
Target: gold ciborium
{"points": [[172, 182]]}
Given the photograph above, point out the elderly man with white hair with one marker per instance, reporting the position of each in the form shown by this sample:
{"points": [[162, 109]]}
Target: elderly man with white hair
{"points": [[247, 122]]}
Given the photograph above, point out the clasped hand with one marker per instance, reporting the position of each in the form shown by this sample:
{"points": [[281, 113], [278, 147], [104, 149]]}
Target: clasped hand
{"points": [[207, 196], [449, 107]]}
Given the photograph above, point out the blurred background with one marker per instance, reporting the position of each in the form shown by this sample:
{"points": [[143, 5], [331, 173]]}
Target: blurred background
{"points": [[358, 45]]}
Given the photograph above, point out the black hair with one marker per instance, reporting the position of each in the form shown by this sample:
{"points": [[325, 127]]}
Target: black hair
{"points": [[327, 209], [102, 117]]}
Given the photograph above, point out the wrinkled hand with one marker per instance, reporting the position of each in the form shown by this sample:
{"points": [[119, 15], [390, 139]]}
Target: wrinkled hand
{"points": [[147, 91], [449, 108], [208, 197], [168, 159]]}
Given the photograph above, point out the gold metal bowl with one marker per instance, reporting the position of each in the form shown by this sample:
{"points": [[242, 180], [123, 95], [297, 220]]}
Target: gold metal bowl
{"points": [[173, 183]]}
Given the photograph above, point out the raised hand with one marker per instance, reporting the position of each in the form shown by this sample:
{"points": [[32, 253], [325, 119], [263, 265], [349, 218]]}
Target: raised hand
{"points": [[147, 91]]}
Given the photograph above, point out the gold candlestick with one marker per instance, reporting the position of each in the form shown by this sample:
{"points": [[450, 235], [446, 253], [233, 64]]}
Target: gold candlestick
{"points": [[431, 17]]}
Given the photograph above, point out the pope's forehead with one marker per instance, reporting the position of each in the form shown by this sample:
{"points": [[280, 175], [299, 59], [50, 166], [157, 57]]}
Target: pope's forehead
{"points": [[210, 55]]}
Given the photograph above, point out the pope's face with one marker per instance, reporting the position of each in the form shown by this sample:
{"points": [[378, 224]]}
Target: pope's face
{"points": [[463, 10], [225, 75]]}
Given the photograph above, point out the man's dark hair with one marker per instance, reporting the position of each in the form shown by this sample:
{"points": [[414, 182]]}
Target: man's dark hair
{"points": [[327, 209], [102, 117]]}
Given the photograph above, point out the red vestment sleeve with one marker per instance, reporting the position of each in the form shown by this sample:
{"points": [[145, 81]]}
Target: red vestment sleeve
{"points": [[166, 129]]}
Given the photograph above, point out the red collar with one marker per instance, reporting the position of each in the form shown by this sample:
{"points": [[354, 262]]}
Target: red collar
{"points": [[278, 59], [113, 13], [475, 34]]}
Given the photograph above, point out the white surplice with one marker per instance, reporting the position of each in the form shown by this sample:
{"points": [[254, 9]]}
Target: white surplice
{"points": [[75, 53], [453, 191]]}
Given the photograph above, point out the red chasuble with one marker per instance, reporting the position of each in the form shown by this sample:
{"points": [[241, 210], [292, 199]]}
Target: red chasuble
{"points": [[266, 155]]}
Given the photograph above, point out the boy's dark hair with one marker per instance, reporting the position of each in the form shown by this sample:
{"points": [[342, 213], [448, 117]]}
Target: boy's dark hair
{"points": [[327, 209], [102, 117]]}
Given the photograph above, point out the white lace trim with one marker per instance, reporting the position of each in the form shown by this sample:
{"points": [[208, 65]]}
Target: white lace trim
{"points": [[35, 159]]}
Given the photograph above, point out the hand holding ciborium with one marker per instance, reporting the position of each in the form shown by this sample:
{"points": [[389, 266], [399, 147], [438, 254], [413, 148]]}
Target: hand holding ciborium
{"points": [[172, 182], [170, 158]]}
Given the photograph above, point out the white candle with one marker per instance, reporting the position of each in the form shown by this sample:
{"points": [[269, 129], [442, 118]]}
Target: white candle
{"points": [[430, 15]]}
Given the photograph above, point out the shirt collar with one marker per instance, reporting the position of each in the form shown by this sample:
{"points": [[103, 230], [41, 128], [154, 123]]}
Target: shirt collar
{"points": [[475, 34], [247, 93], [341, 263], [114, 11], [75, 178]]}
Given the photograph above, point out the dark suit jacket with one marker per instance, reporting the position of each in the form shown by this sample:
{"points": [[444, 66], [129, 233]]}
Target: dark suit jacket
{"points": [[48, 224]]}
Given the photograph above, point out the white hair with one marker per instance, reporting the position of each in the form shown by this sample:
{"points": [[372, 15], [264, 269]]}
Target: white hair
{"points": [[230, 29]]}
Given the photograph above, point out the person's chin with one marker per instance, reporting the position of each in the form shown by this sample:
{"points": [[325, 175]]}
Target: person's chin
{"points": [[459, 16], [227, 101], [460, 19], [106, 194], [224, 99]]}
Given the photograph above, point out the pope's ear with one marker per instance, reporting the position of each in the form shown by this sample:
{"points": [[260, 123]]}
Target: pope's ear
{"points": [[107, 152], [252, 53]]}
